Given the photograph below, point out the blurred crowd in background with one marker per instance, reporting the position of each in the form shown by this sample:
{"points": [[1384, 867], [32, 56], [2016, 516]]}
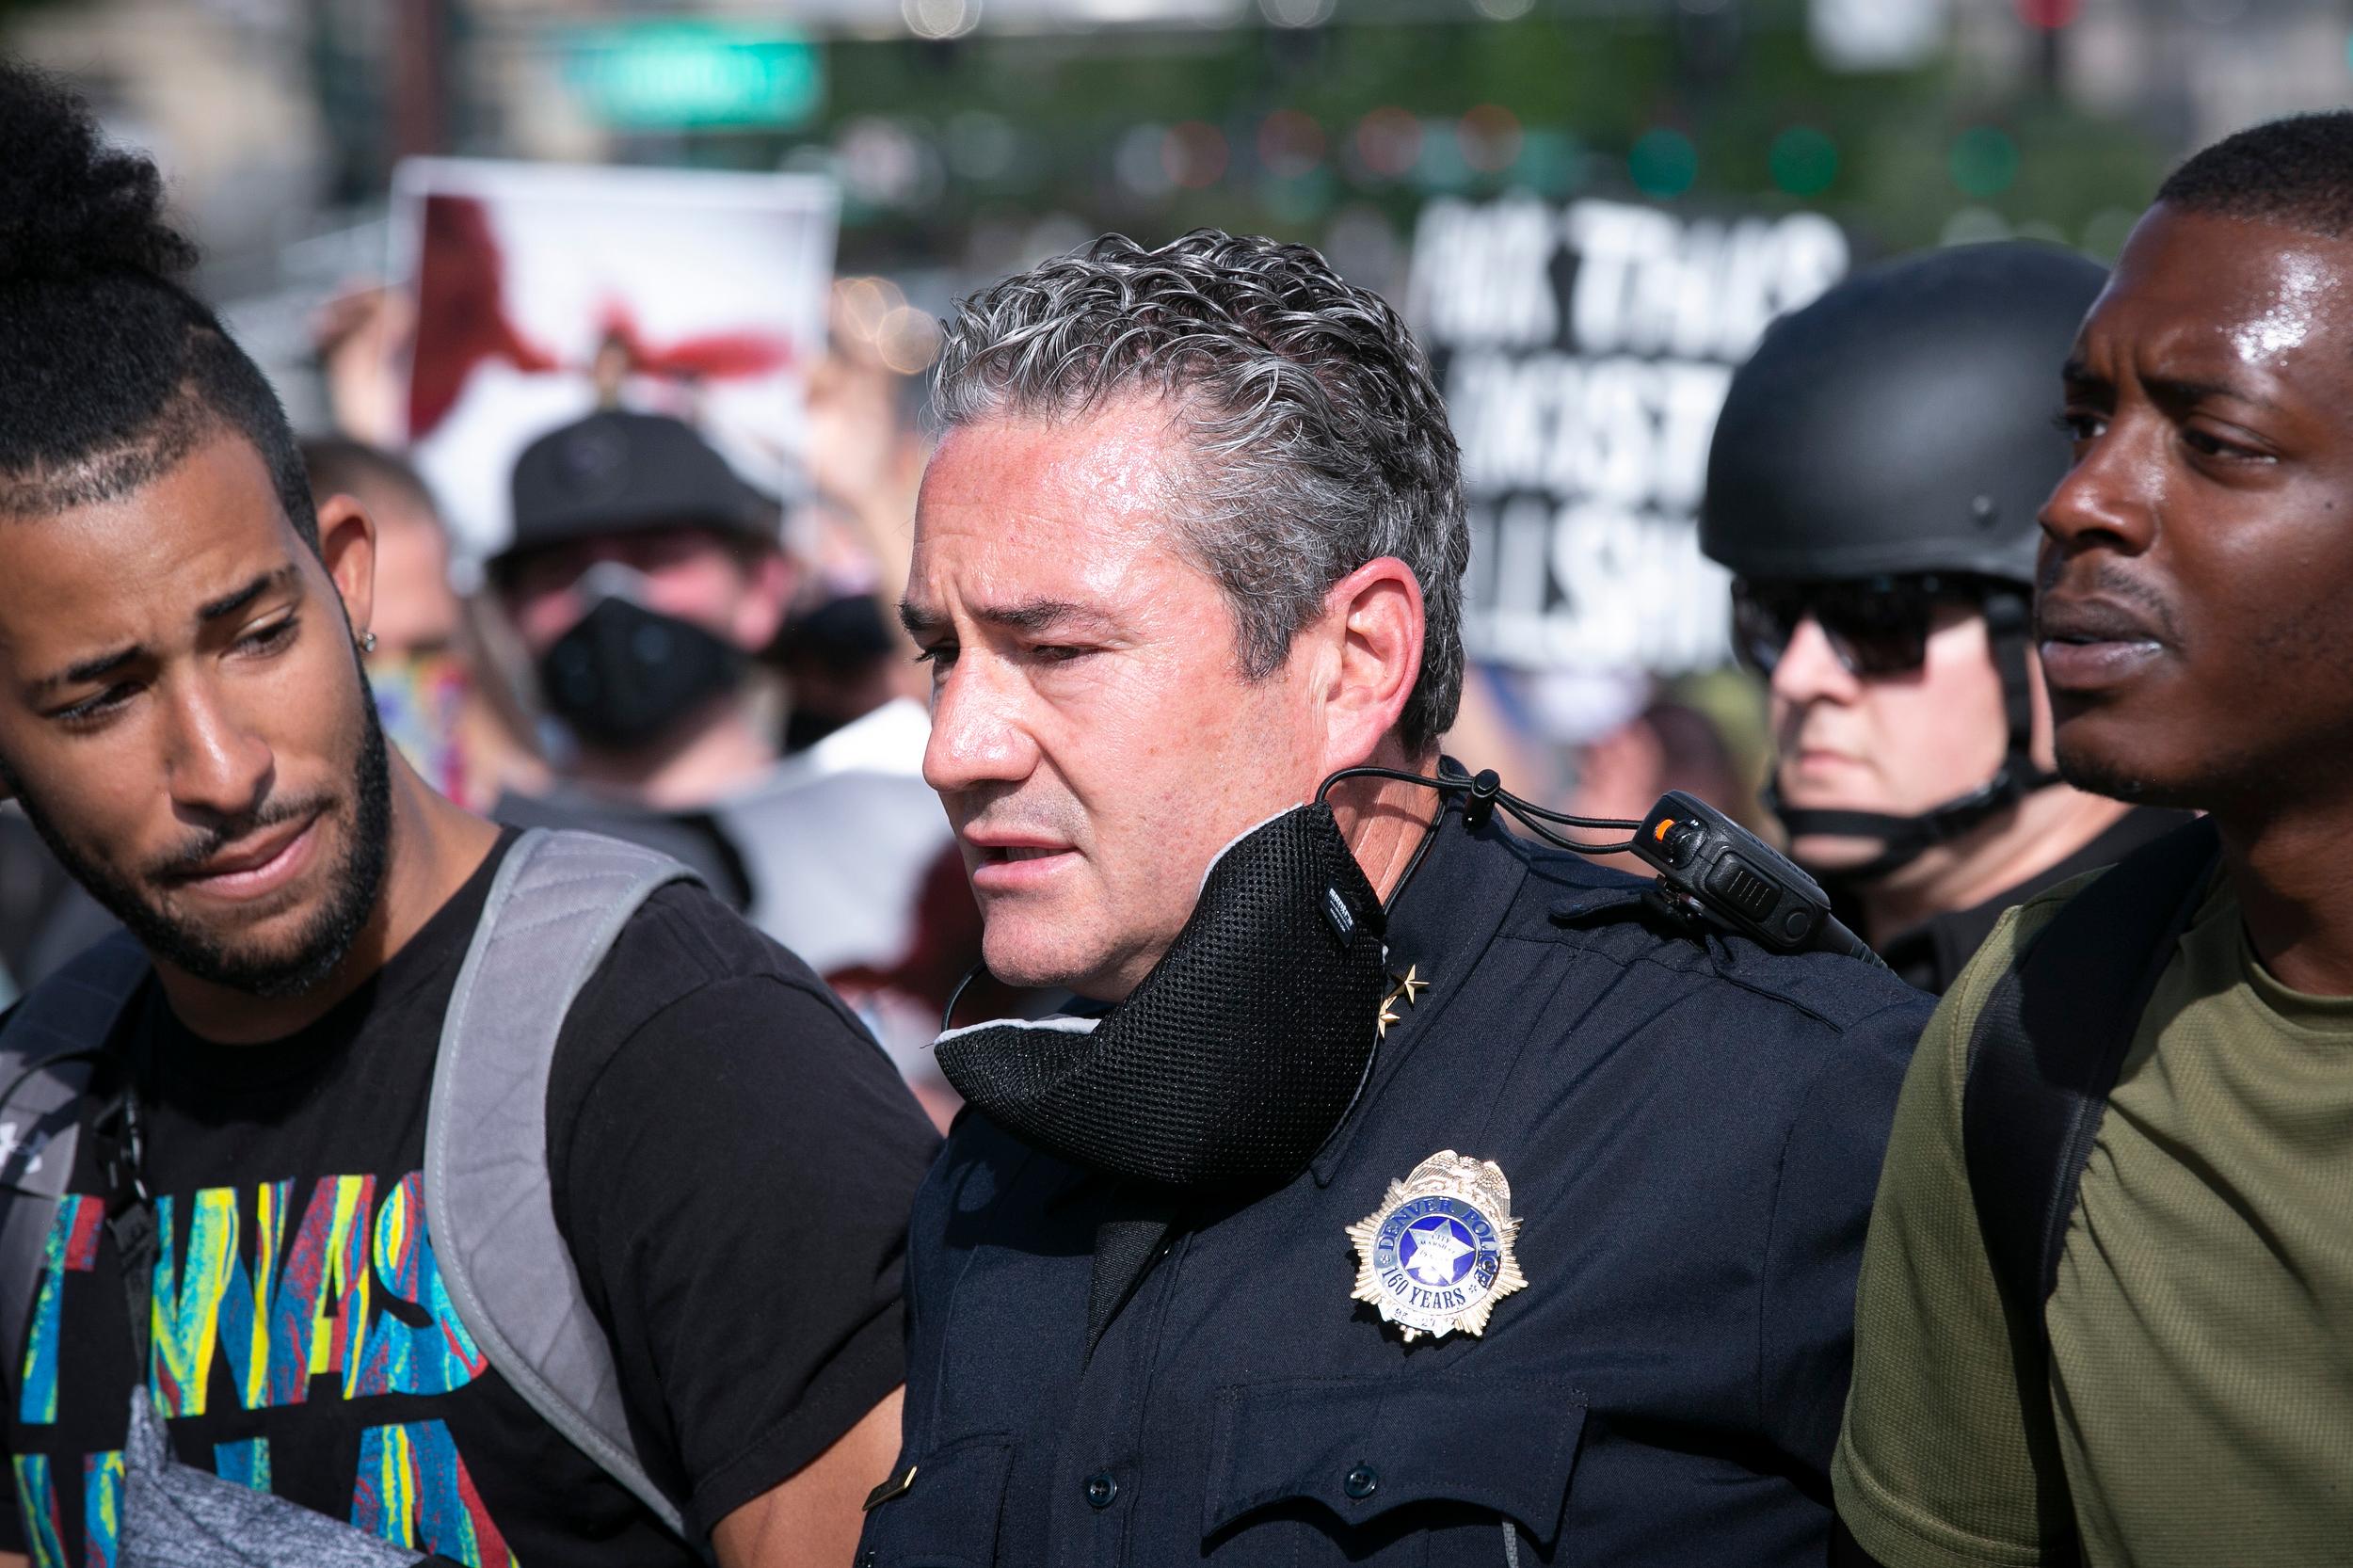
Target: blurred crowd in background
{"points": [[615, 314]]}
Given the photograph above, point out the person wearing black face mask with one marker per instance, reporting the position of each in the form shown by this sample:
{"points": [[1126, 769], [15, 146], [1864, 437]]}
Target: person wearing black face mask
{"points": [[1873, 481], [1407, 1193], [642, 578]]}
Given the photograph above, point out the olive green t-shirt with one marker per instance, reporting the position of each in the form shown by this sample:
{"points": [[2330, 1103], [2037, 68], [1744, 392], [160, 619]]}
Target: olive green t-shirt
{"points": [[2200, 1398]]}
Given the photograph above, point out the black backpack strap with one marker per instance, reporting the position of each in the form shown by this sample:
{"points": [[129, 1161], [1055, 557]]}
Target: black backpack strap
{"points": [[2045, 1052], [46, 1053], [2048, 1046]]}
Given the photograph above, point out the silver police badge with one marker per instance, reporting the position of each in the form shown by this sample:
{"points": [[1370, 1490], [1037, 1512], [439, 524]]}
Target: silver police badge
{"points": [[1437, 1256]]}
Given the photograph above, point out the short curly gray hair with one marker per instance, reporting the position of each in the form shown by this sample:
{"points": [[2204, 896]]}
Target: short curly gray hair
{"points": [[1323, 440]]}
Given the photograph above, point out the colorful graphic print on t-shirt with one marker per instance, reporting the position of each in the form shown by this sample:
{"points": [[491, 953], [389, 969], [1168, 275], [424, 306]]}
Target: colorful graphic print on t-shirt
{"points": [[265, 1298]]}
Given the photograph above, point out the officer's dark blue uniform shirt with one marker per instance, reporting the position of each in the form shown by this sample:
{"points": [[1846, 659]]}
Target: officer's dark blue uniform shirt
{"points": [[1692, 1133]]}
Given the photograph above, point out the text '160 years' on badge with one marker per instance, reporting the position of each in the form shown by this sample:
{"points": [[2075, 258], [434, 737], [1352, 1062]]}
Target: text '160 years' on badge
{"points": [[1437, 1256]]}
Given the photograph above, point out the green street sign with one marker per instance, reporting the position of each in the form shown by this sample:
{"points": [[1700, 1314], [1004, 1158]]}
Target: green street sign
{"points": [[674, 75]]}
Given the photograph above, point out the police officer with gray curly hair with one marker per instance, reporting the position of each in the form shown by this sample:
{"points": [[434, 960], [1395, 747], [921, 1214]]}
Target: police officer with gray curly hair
{"points": [[1400, 1192]]}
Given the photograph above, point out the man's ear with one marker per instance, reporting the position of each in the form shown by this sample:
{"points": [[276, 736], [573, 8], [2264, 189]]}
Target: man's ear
{"points": [[1376, 613], [347, 545]]}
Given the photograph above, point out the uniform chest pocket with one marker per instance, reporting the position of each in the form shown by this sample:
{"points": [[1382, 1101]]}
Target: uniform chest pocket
{"points": [[945, 1514], [1392, 1471]]}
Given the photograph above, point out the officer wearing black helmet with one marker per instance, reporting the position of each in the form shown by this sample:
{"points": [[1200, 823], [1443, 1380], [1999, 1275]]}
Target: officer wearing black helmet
{"points": [[1873, 484]]}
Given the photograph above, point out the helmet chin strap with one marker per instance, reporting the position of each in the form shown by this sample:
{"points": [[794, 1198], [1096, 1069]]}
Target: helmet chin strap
{"points": [[1903, 838]]}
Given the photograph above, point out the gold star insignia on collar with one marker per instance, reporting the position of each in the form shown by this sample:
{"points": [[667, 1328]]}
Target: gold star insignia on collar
{"points": [[1408, 989]]}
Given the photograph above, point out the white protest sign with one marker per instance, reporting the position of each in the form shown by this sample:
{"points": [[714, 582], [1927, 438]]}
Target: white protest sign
{"points": [[1584, 352], [545, 291]]}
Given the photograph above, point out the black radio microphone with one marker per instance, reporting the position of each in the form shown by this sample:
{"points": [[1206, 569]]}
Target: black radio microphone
{"points": [[1711, 869], [1710, 866]]}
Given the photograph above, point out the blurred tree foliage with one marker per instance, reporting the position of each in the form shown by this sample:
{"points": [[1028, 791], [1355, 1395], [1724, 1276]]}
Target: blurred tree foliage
{"points": [[1878, 149]]}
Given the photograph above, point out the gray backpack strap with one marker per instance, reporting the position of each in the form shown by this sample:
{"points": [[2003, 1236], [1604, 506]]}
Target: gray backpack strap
{"points": [[45, 1063], [555, 906]]}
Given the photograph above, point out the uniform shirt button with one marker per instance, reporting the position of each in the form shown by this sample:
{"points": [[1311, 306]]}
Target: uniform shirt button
{"points": [[1360, 1483], [867, 1559], [1101, 1489]]}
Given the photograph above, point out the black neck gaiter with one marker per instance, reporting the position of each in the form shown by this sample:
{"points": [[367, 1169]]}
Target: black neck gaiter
{"points": [[1236, 1057]]}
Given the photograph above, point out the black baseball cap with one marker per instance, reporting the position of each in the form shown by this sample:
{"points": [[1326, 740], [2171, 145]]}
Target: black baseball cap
{"points": [[622, 473]]}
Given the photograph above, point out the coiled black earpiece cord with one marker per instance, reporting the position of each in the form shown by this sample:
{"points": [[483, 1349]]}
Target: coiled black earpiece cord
{"points": [[1486, 792], [1711, 873]]}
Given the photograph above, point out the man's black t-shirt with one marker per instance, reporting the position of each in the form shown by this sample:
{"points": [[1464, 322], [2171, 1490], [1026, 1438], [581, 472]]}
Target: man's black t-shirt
{"points": [[732, 1163]]}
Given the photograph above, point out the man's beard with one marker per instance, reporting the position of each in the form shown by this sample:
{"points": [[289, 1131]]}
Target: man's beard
{"points": [[352, 886]]}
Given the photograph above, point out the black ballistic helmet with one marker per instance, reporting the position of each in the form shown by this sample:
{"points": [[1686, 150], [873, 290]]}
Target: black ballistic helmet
{"points": [[1902, 424]]}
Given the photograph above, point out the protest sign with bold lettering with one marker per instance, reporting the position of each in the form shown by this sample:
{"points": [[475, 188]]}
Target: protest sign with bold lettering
{"points": [[1584, 351]]}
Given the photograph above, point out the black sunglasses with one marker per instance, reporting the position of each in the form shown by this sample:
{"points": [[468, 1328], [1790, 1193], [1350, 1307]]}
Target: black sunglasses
{"points": [[1874, 626]]}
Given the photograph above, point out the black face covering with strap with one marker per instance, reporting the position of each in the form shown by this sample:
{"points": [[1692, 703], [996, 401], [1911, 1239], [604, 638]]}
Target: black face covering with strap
{"points": [[1236, 1057], [624, 674]]}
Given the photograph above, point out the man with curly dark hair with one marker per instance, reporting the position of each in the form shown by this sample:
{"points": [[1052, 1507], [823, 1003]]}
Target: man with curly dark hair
{"points": [[1402, 1195], [230, 1333]]}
